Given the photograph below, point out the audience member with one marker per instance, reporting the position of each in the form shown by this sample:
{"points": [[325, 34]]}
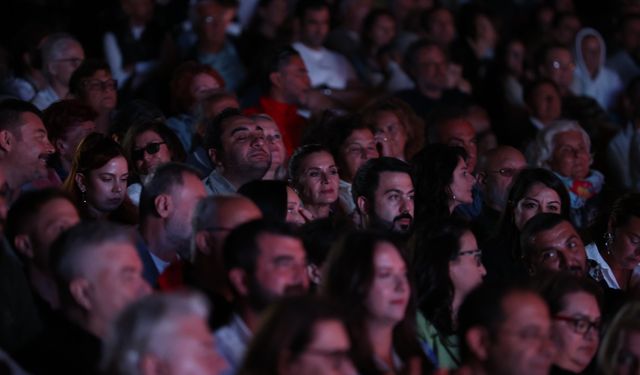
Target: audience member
{"points": [[279, 154], [92, 84], [618, 352]]}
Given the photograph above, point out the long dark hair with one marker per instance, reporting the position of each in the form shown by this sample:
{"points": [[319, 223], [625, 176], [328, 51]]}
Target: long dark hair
{"points": [[434, 288], [348, 279]]}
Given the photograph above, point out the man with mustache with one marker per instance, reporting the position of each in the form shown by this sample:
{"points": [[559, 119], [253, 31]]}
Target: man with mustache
{"points": [[24, 145], [237, 148], [264, 261], [383, 192]]}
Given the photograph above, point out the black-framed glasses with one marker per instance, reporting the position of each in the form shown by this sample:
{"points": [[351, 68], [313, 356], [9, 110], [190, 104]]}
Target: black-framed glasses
{"points": [[97, 85], [151, 149], [580, 324], [506, 172], [476, 254]]}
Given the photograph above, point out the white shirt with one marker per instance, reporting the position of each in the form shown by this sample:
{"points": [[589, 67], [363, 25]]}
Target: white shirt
{"points": [[45, 97], [326, 68], [607, 273]]}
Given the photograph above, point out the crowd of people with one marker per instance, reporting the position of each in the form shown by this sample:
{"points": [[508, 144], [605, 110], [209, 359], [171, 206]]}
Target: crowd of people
{"points": [[272, 187]]}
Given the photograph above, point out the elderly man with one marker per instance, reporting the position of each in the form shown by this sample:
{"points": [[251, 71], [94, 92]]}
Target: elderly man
{"points": [[383, 192], [163, 333], [264, 261], [24, 146], [167, 203], [61, 56], [505, 330], [98, 273], [237, 144]]}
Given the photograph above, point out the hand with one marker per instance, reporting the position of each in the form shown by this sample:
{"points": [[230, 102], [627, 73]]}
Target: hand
{"points": [[383, 145]]}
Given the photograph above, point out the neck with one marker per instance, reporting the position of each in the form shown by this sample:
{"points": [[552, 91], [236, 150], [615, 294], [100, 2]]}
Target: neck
{"points": [[154, 234], [277, 95], [381, 339], [319, 211], [452, 206], [455, 306], [60, 89], [44, 286], [250, 317], [94, 213], [239, 179], [430, 93]]}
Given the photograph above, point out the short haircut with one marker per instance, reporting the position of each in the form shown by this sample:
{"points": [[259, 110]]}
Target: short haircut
{"points": [[531, 88], [27, 207], [539, 223], [84, 71], [145, 326], [541, 56], [52, 43], [11, 111], [366, 181], [165, 178], [277, 61], [484, 307], [241, 249], [411, 55], [213, 132], [76, 247], [441, 117], [63, 116], [306, 5]]}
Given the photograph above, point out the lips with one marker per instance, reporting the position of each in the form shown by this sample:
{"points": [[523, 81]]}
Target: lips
{"points": [[259, 155]]}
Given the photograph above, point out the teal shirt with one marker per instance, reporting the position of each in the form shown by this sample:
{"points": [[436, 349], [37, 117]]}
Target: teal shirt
{"points": [[445, 348]]}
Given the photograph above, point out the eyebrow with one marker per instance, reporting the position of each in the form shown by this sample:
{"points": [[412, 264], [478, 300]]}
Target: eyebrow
{"points": [[240, 129], [393, 190]]}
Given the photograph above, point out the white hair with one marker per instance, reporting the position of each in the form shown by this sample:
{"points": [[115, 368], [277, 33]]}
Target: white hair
{"points": [[545, 141], [146, 326]]}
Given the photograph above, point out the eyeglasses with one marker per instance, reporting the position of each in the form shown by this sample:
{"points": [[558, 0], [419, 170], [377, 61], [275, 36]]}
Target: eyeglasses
{"points": [[151, 149], [557, 65], [477, 254], [581, 325], [337, 357], [506, 172], [96, 85]]}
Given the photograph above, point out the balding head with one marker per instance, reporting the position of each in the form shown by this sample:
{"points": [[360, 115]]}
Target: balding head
{"points": [[497, 168]]}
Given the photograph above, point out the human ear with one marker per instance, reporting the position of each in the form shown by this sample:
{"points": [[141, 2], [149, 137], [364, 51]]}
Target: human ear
{"points": [[238, 279], [164, 205], [80, 291], [81, 182], [22, 244], [478, 342]]}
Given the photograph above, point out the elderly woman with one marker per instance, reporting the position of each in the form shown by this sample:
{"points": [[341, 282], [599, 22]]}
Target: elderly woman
{"points": [[564, 148]]}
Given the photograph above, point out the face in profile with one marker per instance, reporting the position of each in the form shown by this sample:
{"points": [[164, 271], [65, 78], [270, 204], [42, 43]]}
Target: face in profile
{"points": [[460, 132], [294, 206], [274, 140], [149, 151], [625, 248], [575, 331], [466, 270], [326, 354], [31, 149], [390, 291], [538, 199], [105, 188], [462, 184], [318, 182], [522, 344]]}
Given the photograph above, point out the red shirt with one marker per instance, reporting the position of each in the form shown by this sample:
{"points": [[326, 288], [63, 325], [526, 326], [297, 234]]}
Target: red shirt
{"points": [[286, 116]]}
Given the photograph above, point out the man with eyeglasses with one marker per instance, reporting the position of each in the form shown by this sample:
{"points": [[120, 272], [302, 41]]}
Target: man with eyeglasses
{"points": [[61, 56], [92, 84], [504, 330], [236, 146], [496, 170]]}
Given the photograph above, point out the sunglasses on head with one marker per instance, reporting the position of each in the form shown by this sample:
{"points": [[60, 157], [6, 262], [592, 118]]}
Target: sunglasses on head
{"points": [[151, 149]]}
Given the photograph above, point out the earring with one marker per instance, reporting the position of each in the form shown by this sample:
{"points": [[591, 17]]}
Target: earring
{"points": [[453, 196], [608, 240], [83, 194]]}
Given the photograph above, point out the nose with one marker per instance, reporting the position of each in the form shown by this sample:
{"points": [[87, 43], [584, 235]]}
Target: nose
{"points": [[401, 283], [118, 186], [483, 271], [258, 141], [48, 147]]}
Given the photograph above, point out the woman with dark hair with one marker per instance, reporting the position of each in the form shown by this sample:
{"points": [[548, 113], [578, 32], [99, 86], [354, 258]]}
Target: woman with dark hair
{"points": [[98, 179], [276, 200], [398, 131], [147, 146], [190, 83], [446, 270], [443, 182], [314, 175], [300, 335], [533, 191], [351, 143], [617, 250], [367, 273], [574, 305]]}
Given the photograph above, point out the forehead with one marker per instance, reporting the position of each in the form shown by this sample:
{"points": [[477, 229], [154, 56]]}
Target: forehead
{"points": [[116, 165], [387, 255], [559, 233], [30, 122], [272, 245], [68, 47], [591, 41], [394, 180], [238, 122], [522, 309], [429, 54], [267, 125], [100, 75], [111, 254], [317, 159], [330, 334], [360, 135], [148, 135], [457, 128], [559, 54], [57, 209], [234, 212], [569, 137], [545, 89], [507, 157], [316, 14]]}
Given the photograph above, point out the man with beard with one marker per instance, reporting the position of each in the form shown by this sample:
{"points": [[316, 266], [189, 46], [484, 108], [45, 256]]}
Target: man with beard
{"points": [[383, 192], [237, 146], [167, 203], [264, 261], [24, 146]]}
